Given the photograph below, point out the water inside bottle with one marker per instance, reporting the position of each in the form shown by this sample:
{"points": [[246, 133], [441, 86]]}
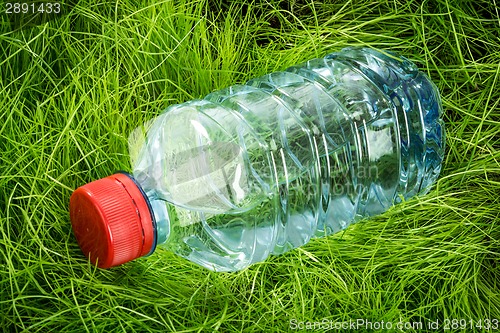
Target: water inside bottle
{"points": [[261, 168]]}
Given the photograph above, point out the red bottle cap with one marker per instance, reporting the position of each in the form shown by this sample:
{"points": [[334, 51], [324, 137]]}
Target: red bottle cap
{"points": [[112, 221]]}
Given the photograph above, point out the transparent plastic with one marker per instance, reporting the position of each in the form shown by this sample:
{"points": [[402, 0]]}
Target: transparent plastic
{"points": [[261, 168]]}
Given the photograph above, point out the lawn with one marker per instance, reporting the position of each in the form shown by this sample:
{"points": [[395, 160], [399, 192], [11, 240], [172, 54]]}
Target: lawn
{"points": [[73, 88]]}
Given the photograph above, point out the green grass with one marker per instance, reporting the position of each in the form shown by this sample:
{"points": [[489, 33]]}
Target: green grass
{"points": [[72, 89]]}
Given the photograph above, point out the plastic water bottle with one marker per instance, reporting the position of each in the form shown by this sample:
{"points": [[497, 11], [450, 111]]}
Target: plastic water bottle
{"points": [[261, 168]]}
